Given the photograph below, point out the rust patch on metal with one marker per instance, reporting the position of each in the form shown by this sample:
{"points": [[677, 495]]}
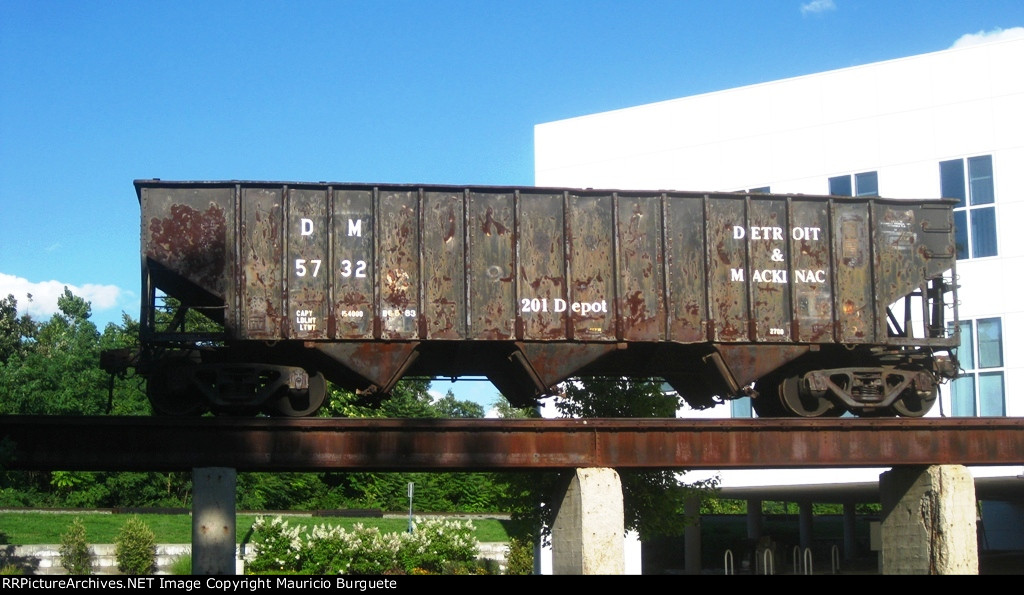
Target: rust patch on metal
{"points": [[191, 243]]}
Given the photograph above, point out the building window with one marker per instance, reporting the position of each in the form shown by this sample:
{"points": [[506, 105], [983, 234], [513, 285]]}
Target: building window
{"points": [[741, 408], [979, 391], [974, 217], [862, 184]]}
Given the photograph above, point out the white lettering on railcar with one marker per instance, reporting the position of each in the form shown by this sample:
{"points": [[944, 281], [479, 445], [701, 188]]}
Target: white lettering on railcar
{"points": [[301, 269], [808, 276], [769, 276], [774, 233], [306, 227], [349, 268], [355, 228], [779, 276], [558, 305], [771, 232], [305, 321]]}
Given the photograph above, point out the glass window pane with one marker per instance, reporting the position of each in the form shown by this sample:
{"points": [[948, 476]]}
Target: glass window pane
{"points": [[980, 169], [867, 183], [741, 408], [952, 177], [840, 186], [990, 397], [962, 394], [966, 352], [983, 232], [990, 343], [960, 230]]}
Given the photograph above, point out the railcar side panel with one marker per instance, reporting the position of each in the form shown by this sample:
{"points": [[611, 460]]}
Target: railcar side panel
{"points": [[398, 257], [542, 267], [770, 274], [640, 271], [261, 262], [728, 270], [590, 264], [811, 271], [308, 264], [444, 281], [493, 308], [685, 265], [852, 262], [187, 238], [352, 264]]}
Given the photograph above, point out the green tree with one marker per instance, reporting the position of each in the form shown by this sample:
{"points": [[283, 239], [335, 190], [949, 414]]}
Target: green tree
{"points": [[75, 556], [16, 332], [135, 547], [653, 501], [435, 492], [126, 390], [449, 406], [59, 375]]}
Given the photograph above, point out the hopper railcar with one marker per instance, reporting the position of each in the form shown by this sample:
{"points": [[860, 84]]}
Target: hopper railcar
{"points": [[809, 305]]}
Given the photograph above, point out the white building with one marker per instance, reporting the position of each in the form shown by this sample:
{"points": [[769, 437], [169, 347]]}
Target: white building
{"points": [[948, 123]]}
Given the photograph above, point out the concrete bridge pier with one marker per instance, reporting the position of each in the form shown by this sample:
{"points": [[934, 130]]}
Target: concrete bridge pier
{"points": [[589, 527], [213, 521], [929, 521]]}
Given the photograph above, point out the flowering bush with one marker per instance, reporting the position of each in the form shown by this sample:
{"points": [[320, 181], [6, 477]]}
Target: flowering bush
{"points": [[442, 547], [278, 546], [435, 546]]}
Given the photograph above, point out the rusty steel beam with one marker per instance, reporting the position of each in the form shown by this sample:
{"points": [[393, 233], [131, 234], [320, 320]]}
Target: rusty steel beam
{"points": [[321, 444]]}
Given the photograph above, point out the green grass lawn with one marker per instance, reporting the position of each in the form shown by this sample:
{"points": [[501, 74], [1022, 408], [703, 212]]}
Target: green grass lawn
{"points": [[44, 527]]}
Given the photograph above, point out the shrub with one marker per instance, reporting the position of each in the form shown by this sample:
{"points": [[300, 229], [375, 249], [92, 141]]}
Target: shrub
{"points": [[135, 547], [442, 547], [434, 547], [519, 557], [182, 565], [277, 545], [74, 549]]}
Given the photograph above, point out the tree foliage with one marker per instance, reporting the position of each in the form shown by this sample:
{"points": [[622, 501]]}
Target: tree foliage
{"points": [[75, 555], [135, 547], [16, 332], [653, 501], [54, 370]]}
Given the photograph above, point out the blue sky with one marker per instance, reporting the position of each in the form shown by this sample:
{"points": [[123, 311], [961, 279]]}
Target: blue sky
{"points": [[95, 94]]}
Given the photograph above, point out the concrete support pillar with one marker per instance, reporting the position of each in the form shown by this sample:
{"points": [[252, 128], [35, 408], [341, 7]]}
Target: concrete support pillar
{"points": [[691, 535], [929, 521], [806, 525], [850, 549], [213, 520], [587, 534], [754, 520]]}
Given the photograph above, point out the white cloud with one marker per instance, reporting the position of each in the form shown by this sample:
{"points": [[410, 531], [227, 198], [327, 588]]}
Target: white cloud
{"points": [[817, 6], [44, 294], [996, 34]]}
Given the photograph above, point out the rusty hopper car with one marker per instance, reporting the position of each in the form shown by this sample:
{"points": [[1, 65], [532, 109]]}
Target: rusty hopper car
{"points": [[809, 305]]}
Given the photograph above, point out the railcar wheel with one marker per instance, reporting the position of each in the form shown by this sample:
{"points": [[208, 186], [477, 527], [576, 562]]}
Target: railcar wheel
{"points": [[803, 403], [169, 393], [301, 402], [912, 404]]}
